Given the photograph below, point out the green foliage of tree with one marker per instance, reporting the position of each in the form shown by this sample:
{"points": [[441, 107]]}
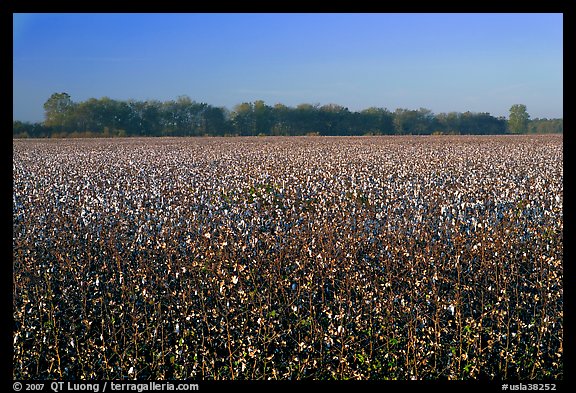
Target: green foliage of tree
{"points": [[376, 121], [263, 118], [448, 123], [413, 122], [518, 120], [335, 120], [57, 111], [546, 126], [243, 119]]}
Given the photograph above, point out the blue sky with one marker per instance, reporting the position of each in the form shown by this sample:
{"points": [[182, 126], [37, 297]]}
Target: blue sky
{"points": [[442, 62]]}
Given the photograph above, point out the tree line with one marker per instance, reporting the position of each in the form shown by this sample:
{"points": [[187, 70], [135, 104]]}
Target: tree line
{"points": [[106, 117]]}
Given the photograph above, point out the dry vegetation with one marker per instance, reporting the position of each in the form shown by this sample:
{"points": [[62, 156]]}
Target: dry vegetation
{"points": [[288, 258]]}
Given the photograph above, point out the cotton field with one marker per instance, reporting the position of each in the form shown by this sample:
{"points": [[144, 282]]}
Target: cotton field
{"points": [[435, 257]]}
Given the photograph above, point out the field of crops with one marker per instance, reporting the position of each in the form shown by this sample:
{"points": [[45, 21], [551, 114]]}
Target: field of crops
{"points": [[288, 258]]}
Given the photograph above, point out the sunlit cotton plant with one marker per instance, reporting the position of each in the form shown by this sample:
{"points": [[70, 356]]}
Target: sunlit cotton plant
{"points": [[288, 258]]}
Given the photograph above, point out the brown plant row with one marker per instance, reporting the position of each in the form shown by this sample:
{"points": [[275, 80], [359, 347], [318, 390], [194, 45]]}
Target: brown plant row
{"points": [[288, 258]]}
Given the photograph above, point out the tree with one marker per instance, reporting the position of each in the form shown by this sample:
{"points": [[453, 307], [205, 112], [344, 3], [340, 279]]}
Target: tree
{"points": [[215, 121], [281, 119], [333, 119], [30, 130], [58, 109], [263, 120], [518, 121], [243, 119], [185, 117], [152, 118], [376, 121], [449, 123], [413, 122], [305, 118]]}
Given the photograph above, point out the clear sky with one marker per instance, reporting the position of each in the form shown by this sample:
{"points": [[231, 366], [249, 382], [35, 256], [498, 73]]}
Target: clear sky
{"points": [[443, 62]]}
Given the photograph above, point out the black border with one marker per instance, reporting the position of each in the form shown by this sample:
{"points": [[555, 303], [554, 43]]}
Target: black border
{"points": [[299, 6], [8, 7]]}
